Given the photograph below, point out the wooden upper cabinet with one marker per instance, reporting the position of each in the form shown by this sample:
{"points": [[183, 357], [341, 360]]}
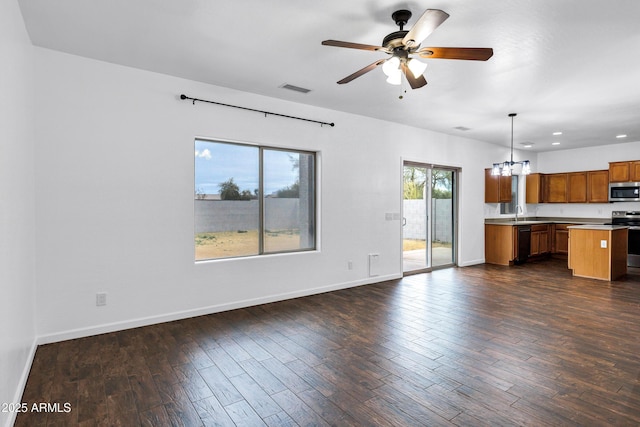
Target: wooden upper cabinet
{"points": [[535, 188], [619, 172], [634, 171], [577, 187], [624, 171], [598, 186], [556, 185], [497, 188]]}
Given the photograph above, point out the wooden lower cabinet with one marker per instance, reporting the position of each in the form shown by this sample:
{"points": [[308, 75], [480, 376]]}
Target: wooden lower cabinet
{"points": [[597, 252], [500, 242], [540, 240], [560, 240]]}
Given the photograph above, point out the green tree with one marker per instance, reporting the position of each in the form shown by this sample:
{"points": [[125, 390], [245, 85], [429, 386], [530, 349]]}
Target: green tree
{"points": [[414, 182], [441, 184], [289, 192], [229, 190]]}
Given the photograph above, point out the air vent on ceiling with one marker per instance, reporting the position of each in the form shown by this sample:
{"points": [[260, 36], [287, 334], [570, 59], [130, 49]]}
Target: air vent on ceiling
{"points": [[462, 128], [295, 88]]}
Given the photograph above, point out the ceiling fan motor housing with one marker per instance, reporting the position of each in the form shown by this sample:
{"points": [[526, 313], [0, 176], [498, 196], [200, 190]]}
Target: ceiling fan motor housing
{"points": [[394, 39]]}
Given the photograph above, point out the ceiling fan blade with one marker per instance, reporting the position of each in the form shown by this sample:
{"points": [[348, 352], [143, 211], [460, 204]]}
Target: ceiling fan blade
{"points": [[467, 53], [338, 43], [414, 82], [361, 71], [428, 22]]}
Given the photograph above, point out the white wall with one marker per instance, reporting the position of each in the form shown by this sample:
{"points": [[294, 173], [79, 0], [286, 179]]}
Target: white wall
{"points": [[107, 133], [16, 207], [590, 158]]}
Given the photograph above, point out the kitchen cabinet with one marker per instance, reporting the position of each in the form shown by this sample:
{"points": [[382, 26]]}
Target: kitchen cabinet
{"points": [[497, 188], [556, 188], [500, 243], [560, 239], [539, 239], [577, 187], [598, 186], [598, 251], [535, 188], [624, 171]]}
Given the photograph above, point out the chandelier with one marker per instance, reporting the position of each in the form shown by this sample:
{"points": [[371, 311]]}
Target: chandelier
{"points": [[506, 168]]}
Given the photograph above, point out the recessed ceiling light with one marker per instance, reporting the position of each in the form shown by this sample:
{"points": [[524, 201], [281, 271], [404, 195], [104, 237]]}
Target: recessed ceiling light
{"points": [[621, 136], [555, 143], [528, 145], [557, 133], [462, 128]]}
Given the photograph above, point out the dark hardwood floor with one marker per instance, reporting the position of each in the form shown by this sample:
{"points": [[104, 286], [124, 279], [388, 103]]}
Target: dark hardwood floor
{"points": [[477, 346]]}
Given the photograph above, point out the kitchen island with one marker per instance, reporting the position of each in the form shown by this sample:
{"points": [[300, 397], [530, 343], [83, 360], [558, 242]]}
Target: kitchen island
{"points": [[598, 251]]}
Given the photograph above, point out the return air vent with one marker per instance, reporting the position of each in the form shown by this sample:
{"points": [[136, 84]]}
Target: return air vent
{"points": [[295, 88]]}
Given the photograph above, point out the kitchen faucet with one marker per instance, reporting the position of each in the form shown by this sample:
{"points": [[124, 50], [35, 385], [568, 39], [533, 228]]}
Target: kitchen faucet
{"points": [[518, 208]]}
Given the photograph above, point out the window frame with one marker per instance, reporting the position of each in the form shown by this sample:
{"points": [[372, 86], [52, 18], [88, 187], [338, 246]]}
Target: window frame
{"points": [[314, 212], [510, 207]]}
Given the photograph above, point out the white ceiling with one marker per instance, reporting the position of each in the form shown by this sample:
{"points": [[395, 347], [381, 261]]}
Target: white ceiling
{"points": [[562, 65]]}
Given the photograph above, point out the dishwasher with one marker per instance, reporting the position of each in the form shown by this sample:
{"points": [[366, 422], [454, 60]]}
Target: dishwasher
{"points": [[524, 244]]}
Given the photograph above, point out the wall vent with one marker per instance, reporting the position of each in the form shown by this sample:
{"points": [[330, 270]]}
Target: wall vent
{"points": [[295, 88]]}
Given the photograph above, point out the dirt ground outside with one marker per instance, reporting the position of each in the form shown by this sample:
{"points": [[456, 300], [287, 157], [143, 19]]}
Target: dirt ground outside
{"points": [[414, 244], [227, 244]]}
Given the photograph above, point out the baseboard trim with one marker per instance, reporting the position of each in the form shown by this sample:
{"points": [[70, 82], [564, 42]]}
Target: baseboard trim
{"points": [[472, 262], [22, 384], [178, 315]]}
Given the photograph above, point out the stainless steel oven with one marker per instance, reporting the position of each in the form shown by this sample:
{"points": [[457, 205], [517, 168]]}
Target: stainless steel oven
{"points": [[632, 220]]}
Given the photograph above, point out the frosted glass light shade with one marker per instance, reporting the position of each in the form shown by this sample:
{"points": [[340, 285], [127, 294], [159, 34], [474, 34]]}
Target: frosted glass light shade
{"points": [[416, 67], [395, 78], [391, 66]]}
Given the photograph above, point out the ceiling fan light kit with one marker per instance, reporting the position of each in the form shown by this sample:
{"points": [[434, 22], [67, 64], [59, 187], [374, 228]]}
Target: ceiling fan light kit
{"points": [[402, 44]]}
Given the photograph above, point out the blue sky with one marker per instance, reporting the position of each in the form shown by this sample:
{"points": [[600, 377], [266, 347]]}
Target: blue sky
{"points": [[217, 162]]}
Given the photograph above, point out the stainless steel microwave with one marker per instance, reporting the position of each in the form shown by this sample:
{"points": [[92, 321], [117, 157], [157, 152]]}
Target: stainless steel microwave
{"points": [[624, 192]]}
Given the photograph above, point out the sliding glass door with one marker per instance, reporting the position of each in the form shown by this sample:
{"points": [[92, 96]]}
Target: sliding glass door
{"points": [[429, 217]]}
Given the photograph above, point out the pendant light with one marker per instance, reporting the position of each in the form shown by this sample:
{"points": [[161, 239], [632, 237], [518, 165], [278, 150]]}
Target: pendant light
{"points": [[505, 169]]}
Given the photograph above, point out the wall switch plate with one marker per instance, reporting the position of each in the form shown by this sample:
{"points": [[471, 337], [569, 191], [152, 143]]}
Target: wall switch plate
{"points": [[603, 244], [101, 299]]}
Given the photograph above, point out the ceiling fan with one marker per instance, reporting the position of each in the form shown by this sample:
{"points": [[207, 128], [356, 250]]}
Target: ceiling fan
{"points": [[402, 44]]}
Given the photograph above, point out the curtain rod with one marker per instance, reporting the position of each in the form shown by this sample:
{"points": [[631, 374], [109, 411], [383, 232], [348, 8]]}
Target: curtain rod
{"points": [[183, 96]]}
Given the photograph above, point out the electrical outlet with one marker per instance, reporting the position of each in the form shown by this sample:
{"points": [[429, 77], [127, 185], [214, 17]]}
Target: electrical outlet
{"points": [[101, 299], [603, 244], [350, 265]]}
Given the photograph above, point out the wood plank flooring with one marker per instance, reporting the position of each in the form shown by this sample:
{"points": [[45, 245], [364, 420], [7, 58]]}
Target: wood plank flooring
{"points": [[477, 346]]}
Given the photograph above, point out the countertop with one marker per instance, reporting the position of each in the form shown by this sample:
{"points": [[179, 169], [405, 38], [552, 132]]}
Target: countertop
{"points": [[538, 220], [597, 227]]}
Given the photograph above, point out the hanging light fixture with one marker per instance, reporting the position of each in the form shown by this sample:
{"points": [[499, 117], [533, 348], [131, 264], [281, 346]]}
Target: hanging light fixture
{"points": [[505, 169]]}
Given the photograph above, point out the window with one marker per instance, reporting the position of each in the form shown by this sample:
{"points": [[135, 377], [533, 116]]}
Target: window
{"points": [[510, 208], [252, 200]]}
